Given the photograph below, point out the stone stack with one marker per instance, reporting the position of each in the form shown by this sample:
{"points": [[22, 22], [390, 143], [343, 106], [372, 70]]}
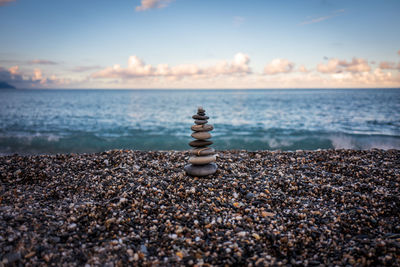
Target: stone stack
{"points": [[202, 159]]}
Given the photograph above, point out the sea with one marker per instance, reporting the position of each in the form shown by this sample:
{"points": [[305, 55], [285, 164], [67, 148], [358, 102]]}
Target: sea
{"points": [[85, 121]]}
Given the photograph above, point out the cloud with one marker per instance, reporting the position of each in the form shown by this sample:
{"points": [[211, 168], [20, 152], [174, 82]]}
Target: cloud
{"points": [[14, 77], [312, 79], [385, 65], [85, 68], [38, 77], [3, 2], [398, 52], [337, 66], [356, 65], [302, 68], [376, 78], [322, 18], [42, 62], [278, 66], [5, 74], [330, 67], [30, 80], [150, 4], [13, 70], [137, 69]]}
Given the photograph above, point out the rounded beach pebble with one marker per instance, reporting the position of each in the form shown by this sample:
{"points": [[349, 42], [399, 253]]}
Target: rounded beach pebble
{"points": [[201, 170], [202, 127], [205, 151], [202, 160], [201, 135]]}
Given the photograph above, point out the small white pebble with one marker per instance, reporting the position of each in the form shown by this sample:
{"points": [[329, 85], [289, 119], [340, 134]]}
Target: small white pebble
{"points": [[173, 236], [130, 252], [135, 257], [242, 234], [72, 226]]}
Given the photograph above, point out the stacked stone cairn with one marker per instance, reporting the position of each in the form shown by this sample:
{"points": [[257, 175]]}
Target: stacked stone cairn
{"points": [[202, 159]]}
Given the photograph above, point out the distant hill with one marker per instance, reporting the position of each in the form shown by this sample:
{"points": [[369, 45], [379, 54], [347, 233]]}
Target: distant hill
{"points": [[4, 85]]}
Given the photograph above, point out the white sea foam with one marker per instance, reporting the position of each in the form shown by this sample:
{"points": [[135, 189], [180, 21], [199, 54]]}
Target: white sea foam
{"points": [[364, 142], [342, 142]]}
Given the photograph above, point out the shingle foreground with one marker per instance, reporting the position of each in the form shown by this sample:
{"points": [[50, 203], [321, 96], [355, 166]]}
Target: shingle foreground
{"points": [[260, 208]]}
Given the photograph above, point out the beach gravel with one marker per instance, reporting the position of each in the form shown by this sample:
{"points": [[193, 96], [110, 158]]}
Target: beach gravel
{"points": [[123, 207]]}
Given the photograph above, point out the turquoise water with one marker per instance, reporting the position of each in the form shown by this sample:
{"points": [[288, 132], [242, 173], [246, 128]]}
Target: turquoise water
{"points": [[63, 121]]}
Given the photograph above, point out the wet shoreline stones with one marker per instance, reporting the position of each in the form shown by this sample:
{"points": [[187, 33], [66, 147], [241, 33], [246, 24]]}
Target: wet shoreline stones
{"points": [[123, 207], [202, 160]]}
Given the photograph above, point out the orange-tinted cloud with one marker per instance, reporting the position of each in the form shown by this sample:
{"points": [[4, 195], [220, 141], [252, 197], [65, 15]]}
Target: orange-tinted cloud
{"points": [[385, 65], [13, 70], [337, 66], [278, 65], [137, 68], [302, 68], [22, 79], [37, 75], [238, 74], [3, 2], [49, 80], [150, 4], [330, 67], [312, 79]]}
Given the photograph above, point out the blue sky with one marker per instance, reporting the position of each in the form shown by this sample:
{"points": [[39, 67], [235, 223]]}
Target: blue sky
{"points": [[199, 44]]}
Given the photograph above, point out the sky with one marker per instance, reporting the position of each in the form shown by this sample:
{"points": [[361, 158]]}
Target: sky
{"points": [[200, 44]]}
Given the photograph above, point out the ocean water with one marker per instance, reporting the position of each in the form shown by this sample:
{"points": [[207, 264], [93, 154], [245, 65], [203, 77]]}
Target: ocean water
{"points": [[84, 121]]}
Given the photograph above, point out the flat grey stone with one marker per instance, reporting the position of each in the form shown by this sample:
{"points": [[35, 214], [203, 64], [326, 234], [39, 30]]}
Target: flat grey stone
{"points": [[199, 117], [202, 128], [200, 143], [200, 121], [202, 170], [202, 151], [201, 135], [202, 160]]}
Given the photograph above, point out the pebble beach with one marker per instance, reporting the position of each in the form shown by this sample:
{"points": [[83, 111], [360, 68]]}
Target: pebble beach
{"points": [[124, 207]]}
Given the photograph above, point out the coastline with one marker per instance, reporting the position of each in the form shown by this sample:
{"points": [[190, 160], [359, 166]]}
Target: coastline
{"points": [[263, 208]]}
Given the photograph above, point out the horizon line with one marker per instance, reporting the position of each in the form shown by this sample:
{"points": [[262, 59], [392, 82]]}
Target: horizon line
{"points": [[220, 89]]}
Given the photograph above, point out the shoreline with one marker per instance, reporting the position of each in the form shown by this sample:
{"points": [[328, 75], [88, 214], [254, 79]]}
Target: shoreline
{"points": [[184, 151], [124, 207]]}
